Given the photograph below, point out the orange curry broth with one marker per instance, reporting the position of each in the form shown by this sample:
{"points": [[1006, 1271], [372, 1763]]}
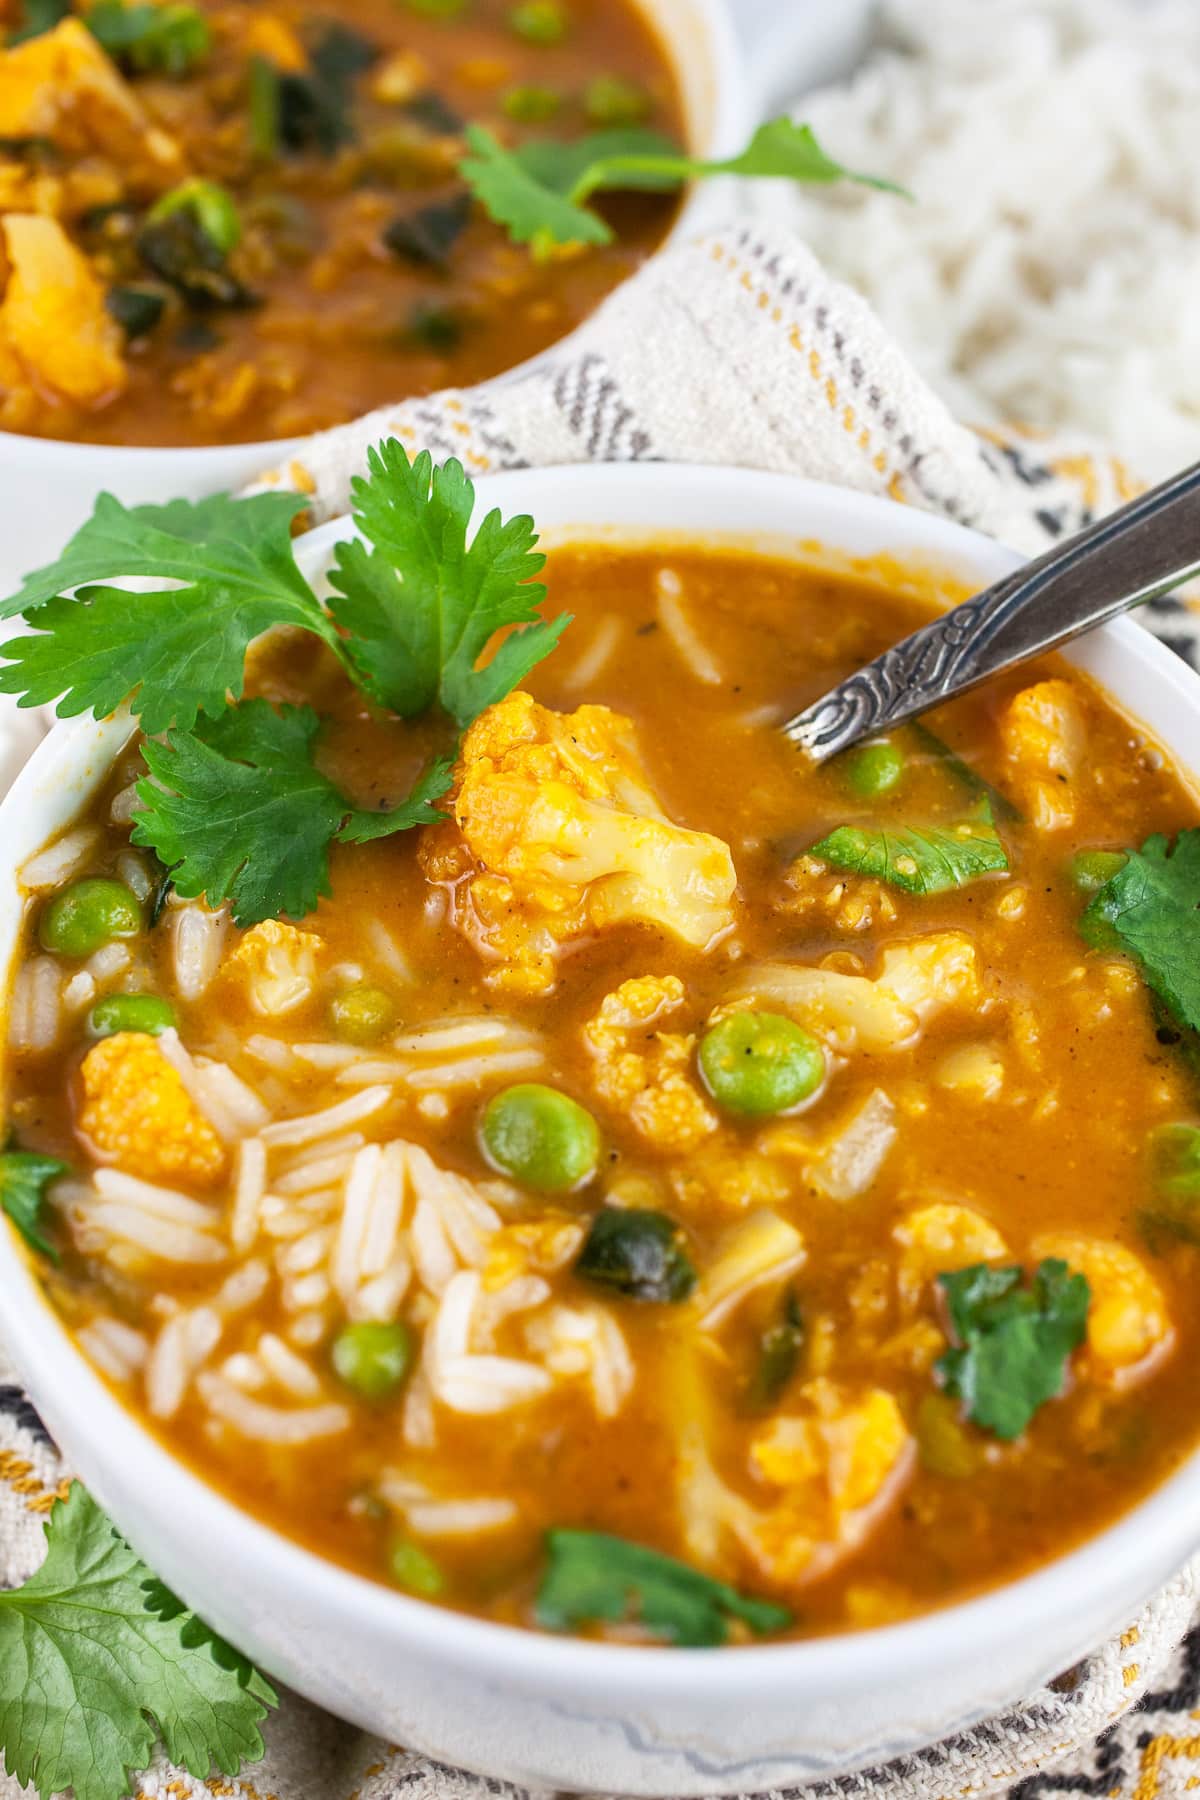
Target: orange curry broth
{"points": [[1060, 1147], [341, 324]]}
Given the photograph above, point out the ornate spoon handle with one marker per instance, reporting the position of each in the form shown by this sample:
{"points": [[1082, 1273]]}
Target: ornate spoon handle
{"points": [[1145, 549]]}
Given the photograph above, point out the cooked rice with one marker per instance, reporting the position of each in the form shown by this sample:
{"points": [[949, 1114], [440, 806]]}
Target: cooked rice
{"points": [[197, 941], [60, 861], [34, 1015], [286, 1369], [152, 1198], [133, 872], [692, 650], [124, 804], [388, 953], [250, 1184], [271, 1051], [596, 658], [117, 1348], [852, 1160], [79, 992], [311, 1127], [109, 960], [265, 1424]]}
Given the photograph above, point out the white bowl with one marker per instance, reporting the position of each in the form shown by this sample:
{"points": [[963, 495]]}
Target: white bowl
{"points": [[547, 1711], [49, 486]]}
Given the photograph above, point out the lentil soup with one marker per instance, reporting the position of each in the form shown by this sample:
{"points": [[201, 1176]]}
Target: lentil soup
{"points": [[675, 1166], [232, 222]]}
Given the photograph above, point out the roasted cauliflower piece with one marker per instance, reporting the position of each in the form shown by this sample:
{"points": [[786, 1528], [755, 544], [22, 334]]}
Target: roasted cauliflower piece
{"points": [[53, 318], [62, 87], [277, 963], [1128, 1328], [917, 981], [1045, 740], [839, 1463], [557, 833], [938, 1239], [644, 1073], [137, 1114]]}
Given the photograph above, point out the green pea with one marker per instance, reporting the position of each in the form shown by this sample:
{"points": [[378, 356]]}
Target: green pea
{"points": [[130, 1012], [542, 1138], [541, 22], [875, 769], [1092, 869], [372, 1357], [758, 1063], [87, 915], [214, 207], [530, 104], [611, 100], [415, 1569], [362, 1014]]}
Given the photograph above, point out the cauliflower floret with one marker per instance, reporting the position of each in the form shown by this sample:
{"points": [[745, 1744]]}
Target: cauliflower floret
{"points": [[840, 1462], [53, 318], [556, 833], [278, 963], [851, 903], [938, 1239], [652, 1084], [1045, 740], [137, 1112], [1128, 1328], [61, 86], [916, 982]]}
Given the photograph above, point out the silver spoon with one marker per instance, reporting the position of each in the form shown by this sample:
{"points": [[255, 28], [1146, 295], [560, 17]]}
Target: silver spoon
{"points": [[1145, 549]]}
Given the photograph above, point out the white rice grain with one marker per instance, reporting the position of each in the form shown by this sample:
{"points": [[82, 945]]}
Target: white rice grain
{"points": [[311, 1127], [197, 940], [386, 1210], [271, 1051], [307, 1330], [149, 1197], [326, 1056], [596, 658], [289, 1371], [691, 648], [260, 1423], [472, 1070], [116, 1348], [460, 1518], [109, 960], [79, 992], [305, 1292], [225, 1092], [388, 953], [250, 1185], [160, 1237], [59, 861], [380, 1297], [35, 1010], [356, 1206]]}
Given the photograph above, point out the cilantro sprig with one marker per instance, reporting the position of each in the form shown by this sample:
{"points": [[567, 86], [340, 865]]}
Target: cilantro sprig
{"points": [[236, 804], [24, 1178], [98, 1661], [1013, 1342], [594, 1578], [540, 191], [1151, 909]]}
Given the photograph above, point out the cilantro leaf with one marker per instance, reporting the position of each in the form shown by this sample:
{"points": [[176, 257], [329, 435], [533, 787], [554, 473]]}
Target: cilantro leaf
{"points": [[919, 862], [1174, 1210], [24, 1178], [1151, 909], [178, 651], [420, 606], [1013, 1341], [94, 1654], [170, 37], [539, 191], [238, 811], [593, 1578]]}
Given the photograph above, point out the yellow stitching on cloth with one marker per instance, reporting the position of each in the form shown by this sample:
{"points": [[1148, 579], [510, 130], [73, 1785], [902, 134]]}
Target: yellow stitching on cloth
{"points": [[1129, 1674], [1158, 1751], [833, 398], [21, 1478]]}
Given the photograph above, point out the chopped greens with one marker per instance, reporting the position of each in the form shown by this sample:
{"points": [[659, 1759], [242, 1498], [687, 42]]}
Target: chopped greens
{"points": [[778, 1355], [920, 862], [637, 1253], [1150, 908], [419, 605], [540, 191], [234, 805], [1013, 1342], [1174, 1210], [24, 1178], [167, 40], [593, 1578], [999, 805], [98, 1661], [237, 808], [427, 234]]}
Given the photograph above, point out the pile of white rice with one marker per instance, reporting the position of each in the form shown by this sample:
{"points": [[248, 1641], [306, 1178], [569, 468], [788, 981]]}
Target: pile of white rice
{"points": [[1049, 272]]}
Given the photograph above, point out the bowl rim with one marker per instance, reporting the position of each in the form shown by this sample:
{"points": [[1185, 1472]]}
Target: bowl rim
{"points": [[546, 1662], [731, 113]]}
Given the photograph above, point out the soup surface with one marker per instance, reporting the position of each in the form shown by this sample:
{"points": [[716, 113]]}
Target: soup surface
{"points": [[232, 222], [615, 1171]]}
